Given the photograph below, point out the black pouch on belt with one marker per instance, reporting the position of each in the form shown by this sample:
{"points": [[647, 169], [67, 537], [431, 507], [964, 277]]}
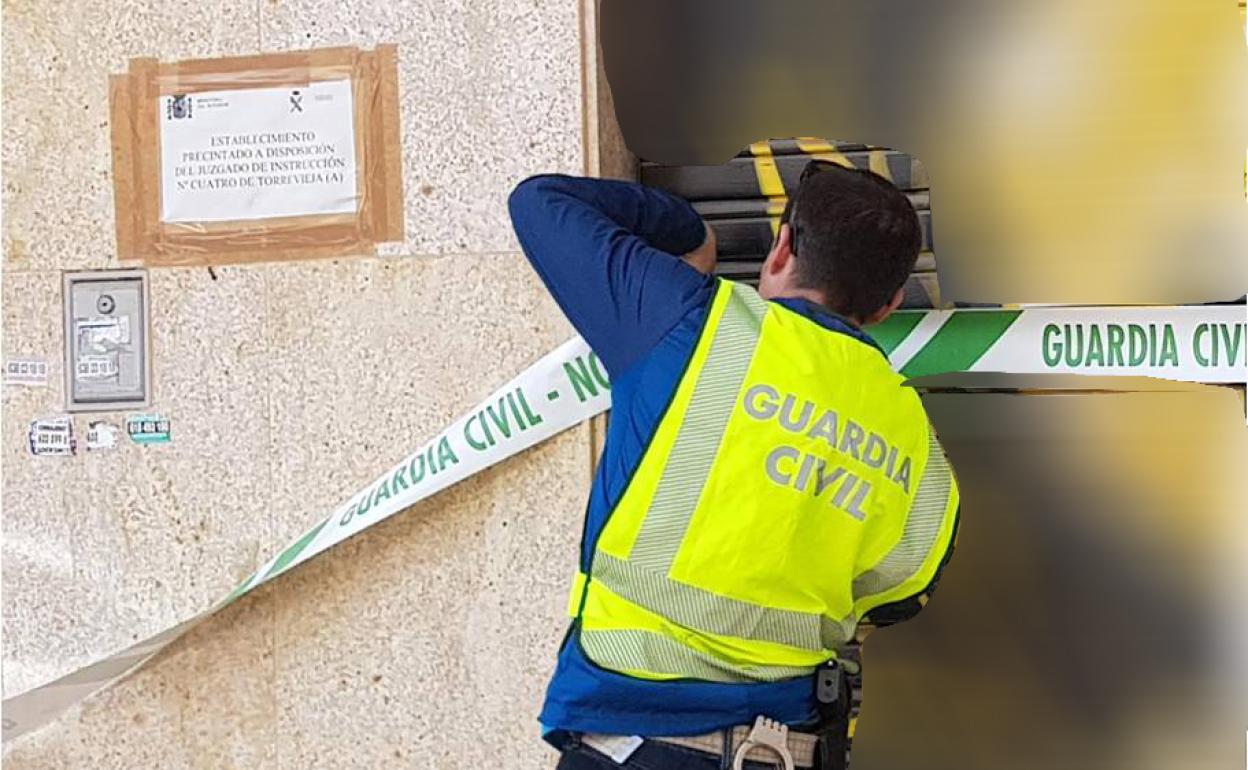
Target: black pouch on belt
{"points": [[833, 695]]}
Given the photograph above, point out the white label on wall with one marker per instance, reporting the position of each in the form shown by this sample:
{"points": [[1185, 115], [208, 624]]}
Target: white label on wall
{"points": [[31, 372], [258, 153], [101, 436], [51, 436]]}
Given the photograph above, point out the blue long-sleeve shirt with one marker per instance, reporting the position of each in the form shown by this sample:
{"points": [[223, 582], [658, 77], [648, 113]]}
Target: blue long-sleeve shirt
{"points": [[607, 251]]}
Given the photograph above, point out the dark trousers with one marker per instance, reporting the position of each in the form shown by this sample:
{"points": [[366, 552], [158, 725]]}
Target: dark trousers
{"points": [[651, 755]]}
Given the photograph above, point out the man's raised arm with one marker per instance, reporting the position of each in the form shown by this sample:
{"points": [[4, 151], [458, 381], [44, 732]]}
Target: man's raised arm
{"points": [[610, 254]]}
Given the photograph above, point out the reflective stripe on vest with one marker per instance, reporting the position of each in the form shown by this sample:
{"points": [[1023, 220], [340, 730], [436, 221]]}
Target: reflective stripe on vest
{"points": [[909, 565], [777, 502]]}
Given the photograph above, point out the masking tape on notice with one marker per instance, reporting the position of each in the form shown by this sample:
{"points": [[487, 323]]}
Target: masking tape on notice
{"points": [[293, 155], [567, 386]]}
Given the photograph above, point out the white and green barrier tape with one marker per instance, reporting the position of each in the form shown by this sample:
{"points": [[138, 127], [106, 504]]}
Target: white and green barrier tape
{"points": [[1195, 344]]}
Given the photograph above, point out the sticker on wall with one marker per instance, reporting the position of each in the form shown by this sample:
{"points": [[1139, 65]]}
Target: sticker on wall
{"points": [[31, 372], [96, 367], [148, 428], [101, 436], [51, 436], [102, 334]]}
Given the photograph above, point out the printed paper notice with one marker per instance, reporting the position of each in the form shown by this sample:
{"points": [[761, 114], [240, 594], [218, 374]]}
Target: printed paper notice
{"points": [[258, 153]]}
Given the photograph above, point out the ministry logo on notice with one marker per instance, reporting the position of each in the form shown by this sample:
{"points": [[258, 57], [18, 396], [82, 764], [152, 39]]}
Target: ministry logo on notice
{"points": [[178, 107]]}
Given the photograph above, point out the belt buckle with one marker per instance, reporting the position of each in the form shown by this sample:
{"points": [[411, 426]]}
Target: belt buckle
{"points": [[770, 734]]}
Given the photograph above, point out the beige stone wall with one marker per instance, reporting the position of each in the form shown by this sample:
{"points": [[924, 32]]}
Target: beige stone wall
{"points": [[426, 642]]}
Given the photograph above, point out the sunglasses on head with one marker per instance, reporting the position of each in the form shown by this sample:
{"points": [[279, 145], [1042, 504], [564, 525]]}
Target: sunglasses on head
{"points": [[815, 166]]}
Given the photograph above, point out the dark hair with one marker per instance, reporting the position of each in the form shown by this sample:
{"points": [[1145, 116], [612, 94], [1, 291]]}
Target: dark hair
{"points": [[855, 237]]}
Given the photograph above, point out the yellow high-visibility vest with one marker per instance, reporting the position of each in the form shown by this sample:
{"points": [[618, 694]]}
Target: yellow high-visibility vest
{"points": [[793, 485]]}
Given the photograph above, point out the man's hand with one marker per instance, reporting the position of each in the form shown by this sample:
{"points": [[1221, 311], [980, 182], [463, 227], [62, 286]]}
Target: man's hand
{"points": [[704, 257]]}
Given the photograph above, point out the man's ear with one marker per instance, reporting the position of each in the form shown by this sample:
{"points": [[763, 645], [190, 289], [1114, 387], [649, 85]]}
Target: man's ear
{"points": [[887, 310], [781, 251]]}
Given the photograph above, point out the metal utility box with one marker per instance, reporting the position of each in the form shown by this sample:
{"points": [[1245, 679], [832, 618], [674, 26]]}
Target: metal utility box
{"points": [[107, 344]]}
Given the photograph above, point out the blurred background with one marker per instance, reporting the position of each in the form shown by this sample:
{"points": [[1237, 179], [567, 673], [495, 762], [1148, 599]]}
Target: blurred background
{"points": [[1079, 151], [1093, 615]]}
